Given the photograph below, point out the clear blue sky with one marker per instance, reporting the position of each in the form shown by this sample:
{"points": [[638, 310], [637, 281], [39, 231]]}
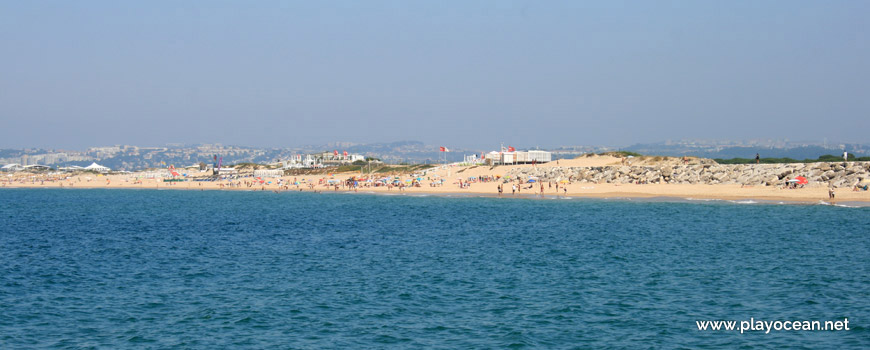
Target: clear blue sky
{"points": [[465, 73]]}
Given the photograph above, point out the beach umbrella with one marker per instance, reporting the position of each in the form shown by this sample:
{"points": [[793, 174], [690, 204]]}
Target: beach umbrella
{"points": [[801, 180], [564, 181], [531, 180]]}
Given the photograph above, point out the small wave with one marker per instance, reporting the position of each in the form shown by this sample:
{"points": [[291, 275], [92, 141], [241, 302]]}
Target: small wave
{"points": [[703, 199], [749, 201], [821, 202]]}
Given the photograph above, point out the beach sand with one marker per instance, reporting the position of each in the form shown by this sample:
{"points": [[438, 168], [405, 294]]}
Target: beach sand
{"points": [[813, 193]]}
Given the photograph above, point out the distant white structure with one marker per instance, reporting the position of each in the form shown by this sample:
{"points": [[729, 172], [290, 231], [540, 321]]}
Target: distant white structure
{"points": [[71, 168], [12, 167], [519, 157], [473, 159], [98, 168], [37, 167], [320, 160], [269, 173], [227, 171]]}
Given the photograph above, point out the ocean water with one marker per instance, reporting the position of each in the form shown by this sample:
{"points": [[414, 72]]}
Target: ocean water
{"points": [[113, 269]]}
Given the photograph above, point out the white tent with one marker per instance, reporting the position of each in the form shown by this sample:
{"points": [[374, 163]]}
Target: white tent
{"points": [[98, 168]]}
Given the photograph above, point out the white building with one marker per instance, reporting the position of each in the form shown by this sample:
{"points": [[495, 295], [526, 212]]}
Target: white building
{"points": [[519, 157]]}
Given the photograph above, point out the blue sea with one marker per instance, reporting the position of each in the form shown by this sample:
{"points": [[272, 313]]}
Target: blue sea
{"points": [[148, 269]]}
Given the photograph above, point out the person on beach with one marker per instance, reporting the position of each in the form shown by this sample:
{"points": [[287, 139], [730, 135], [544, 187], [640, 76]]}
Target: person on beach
{"points": [[500, 189], [757, 158], [513, 189], [831, 193]]}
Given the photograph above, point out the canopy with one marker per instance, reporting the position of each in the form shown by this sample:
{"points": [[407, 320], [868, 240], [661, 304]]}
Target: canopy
{"points": [[532, 180], [564, 181]]}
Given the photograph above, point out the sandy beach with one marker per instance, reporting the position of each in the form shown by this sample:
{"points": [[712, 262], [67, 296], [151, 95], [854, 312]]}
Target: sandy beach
{"points": [[451, 175]]}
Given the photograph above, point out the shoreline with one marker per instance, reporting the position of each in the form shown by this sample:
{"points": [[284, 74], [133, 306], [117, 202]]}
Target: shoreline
{"points": [[616, 196], [560, 179]]}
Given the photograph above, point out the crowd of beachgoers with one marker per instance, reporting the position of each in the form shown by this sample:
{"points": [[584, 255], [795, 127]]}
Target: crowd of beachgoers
{"points": [[575, 177]]}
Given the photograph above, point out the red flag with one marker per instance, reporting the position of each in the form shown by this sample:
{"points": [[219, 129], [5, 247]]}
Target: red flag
{"points": [[511, 149], [345, 153], [444, 149], [335, 152]]}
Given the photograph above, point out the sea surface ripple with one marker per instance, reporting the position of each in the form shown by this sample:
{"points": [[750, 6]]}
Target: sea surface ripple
{"points": [[111, 269]]}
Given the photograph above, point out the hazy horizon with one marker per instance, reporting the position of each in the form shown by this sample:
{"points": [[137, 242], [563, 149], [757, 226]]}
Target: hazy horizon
{"points": [[472, 75]]}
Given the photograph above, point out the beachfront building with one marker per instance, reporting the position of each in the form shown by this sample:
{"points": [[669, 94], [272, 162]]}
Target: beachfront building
{"points": [[12, 167], [71, 168], [36, 167], [473, 160], [302, 161], [322, 159], [518, 157], [226, 171]]}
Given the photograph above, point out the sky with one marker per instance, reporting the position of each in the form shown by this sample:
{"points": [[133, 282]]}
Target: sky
{"points": [[75, 74]]}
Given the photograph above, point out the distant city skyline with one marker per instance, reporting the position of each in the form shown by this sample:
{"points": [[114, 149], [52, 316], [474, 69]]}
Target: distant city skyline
{"points": [[472, 75]]}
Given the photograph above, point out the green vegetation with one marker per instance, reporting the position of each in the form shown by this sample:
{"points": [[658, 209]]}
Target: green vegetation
{"points": [[620, 154], [254, 166], [824, 158], [346, 169], [403, 168], [361, 168]]}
